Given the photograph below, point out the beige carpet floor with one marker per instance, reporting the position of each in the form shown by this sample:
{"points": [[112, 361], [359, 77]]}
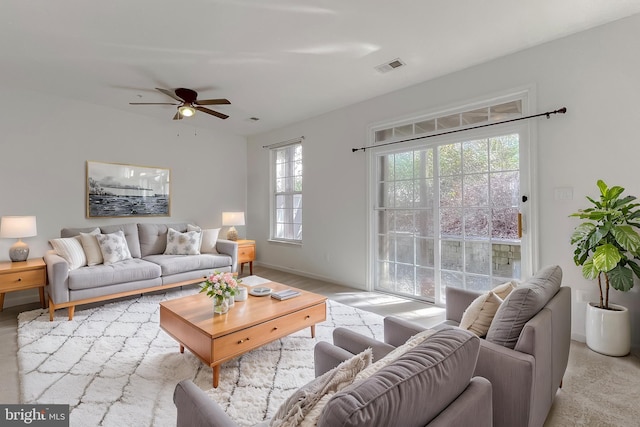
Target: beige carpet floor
{"points": [[597, 391]]}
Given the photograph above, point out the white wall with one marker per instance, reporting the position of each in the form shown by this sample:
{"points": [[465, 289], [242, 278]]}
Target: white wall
{"points": [[46, 141], [595, 74]]}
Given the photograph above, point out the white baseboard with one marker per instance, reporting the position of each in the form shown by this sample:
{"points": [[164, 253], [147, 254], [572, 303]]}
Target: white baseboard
{"points": [[311, 275]]}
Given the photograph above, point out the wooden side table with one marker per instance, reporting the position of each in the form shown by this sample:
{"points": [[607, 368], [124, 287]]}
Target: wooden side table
{"points": [[246, 254], [18, 276]]}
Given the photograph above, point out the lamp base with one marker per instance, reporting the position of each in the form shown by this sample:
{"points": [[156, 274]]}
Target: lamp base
{"points": [[19, 251], [232, 234]]}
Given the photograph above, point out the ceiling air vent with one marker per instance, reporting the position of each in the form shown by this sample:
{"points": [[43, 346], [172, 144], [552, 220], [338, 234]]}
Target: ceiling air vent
{"points": [[388, 66]]}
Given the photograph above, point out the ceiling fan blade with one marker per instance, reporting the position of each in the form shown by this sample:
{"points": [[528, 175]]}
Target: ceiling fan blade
{"points": [[178, 116], [213, 113], [153, 103], [212, 101], [169, 93]]}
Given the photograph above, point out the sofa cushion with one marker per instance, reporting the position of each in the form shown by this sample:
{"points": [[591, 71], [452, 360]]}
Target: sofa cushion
{"points": [[91, 247], [153, 237], [71, 250], [187, 243], [296, 407], [522, 304], [395, 353], [412, 390], [114, 247], [95, 276], [209, 239], [175, 264], [478, 316]]}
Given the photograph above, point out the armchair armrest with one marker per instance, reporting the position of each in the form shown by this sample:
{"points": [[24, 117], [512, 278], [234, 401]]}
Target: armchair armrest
{"points": [[512, 377], [327, 356], [229, 247], [355, 343], [196, 409], [457, 302], [398, 330], [57, 277]]}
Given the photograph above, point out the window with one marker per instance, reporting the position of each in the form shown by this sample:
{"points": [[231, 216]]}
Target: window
{"points": [[446, 209], [286, 212]]}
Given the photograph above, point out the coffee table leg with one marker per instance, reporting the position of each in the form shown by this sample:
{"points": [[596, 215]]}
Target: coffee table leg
{"points": [[313, 331], [181, 348], [216, 375]]}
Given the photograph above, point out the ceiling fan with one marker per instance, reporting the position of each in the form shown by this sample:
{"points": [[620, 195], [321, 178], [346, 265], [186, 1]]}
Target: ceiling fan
{"points": [[188, 103]]}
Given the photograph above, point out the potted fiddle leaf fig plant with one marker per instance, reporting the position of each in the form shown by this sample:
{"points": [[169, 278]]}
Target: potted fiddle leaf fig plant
{"points": [[607, 246]]}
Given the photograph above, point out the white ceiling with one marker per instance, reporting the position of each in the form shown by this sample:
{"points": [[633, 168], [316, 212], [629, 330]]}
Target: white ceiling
{"points": [[279, 60]]}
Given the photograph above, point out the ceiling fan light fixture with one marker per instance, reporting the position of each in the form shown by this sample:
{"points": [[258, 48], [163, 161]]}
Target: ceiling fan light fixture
{"points": [[186, 111]]}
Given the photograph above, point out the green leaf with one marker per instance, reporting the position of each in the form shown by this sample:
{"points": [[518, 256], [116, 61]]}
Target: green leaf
{"points": [[635, 267], [614, 192], [582, 232], [594, 202], [627, 237], [624, 202], [589, 271], [606, 257], [621, 278], [602, 186]]}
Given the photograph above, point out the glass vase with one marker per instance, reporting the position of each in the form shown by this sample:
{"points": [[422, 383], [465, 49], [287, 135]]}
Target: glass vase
{"points": [[220, 305]]}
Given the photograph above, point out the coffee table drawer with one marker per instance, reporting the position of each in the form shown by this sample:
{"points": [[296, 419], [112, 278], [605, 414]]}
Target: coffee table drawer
{"points": [[247, 339]]}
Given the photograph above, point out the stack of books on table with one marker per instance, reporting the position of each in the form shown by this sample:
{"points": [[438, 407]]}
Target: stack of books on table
{"points": [[286, 294]]}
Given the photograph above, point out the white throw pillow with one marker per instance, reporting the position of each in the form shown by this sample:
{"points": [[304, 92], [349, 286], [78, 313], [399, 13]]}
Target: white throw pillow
{"points": [[209, 239], [91, 247], [114, 247], [71, 250], [183, 243], [478, 316], [504, 290]]}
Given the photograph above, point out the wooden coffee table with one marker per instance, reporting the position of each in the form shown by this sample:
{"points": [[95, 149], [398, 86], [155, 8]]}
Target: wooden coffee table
{"points": [[248, 324]]}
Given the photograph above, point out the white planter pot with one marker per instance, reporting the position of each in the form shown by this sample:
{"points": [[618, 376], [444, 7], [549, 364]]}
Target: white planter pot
{"points": [[608, 331]]}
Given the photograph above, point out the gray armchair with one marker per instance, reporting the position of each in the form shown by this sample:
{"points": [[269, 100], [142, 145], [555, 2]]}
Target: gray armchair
{"points": [[431, 384], [524, 355]]}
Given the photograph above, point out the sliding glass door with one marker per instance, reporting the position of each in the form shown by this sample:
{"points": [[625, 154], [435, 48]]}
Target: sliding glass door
{"points": [[446, 212]]}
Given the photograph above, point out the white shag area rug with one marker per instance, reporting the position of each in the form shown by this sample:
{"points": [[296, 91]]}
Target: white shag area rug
{"points": [[114, 366]]}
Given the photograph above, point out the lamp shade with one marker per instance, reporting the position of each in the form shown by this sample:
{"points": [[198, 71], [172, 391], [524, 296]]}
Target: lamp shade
{"points": [[17, 227], [232, 218]]}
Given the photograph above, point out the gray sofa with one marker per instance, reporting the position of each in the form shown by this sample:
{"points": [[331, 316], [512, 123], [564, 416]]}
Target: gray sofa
{"points": [[431, 384], [148, 270], [524, 354]]}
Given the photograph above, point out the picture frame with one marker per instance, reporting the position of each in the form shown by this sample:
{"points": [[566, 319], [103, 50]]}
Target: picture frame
{"points": [[116, 190]]}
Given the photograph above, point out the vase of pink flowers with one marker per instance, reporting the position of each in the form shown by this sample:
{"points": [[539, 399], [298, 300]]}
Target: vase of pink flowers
{"points": [[220, 287]]}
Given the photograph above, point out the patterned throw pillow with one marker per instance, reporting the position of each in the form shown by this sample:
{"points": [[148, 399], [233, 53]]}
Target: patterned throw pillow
{"points": [[71, 250], [183, 243], [113, 247]]}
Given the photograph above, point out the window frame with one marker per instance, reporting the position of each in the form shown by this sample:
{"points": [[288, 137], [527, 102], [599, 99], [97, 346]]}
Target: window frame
{"points": [[274, 193]]}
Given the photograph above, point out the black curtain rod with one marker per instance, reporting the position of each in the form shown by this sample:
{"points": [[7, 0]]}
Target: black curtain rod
{"points": [[548, 114]]}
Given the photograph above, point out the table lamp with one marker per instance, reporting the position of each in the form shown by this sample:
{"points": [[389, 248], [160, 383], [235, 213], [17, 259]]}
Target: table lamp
{"points": [[18, 227], [231, 219]]}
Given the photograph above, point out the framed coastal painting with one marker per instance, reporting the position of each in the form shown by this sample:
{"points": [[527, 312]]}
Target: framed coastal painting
{"points": [[120, 190]]}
